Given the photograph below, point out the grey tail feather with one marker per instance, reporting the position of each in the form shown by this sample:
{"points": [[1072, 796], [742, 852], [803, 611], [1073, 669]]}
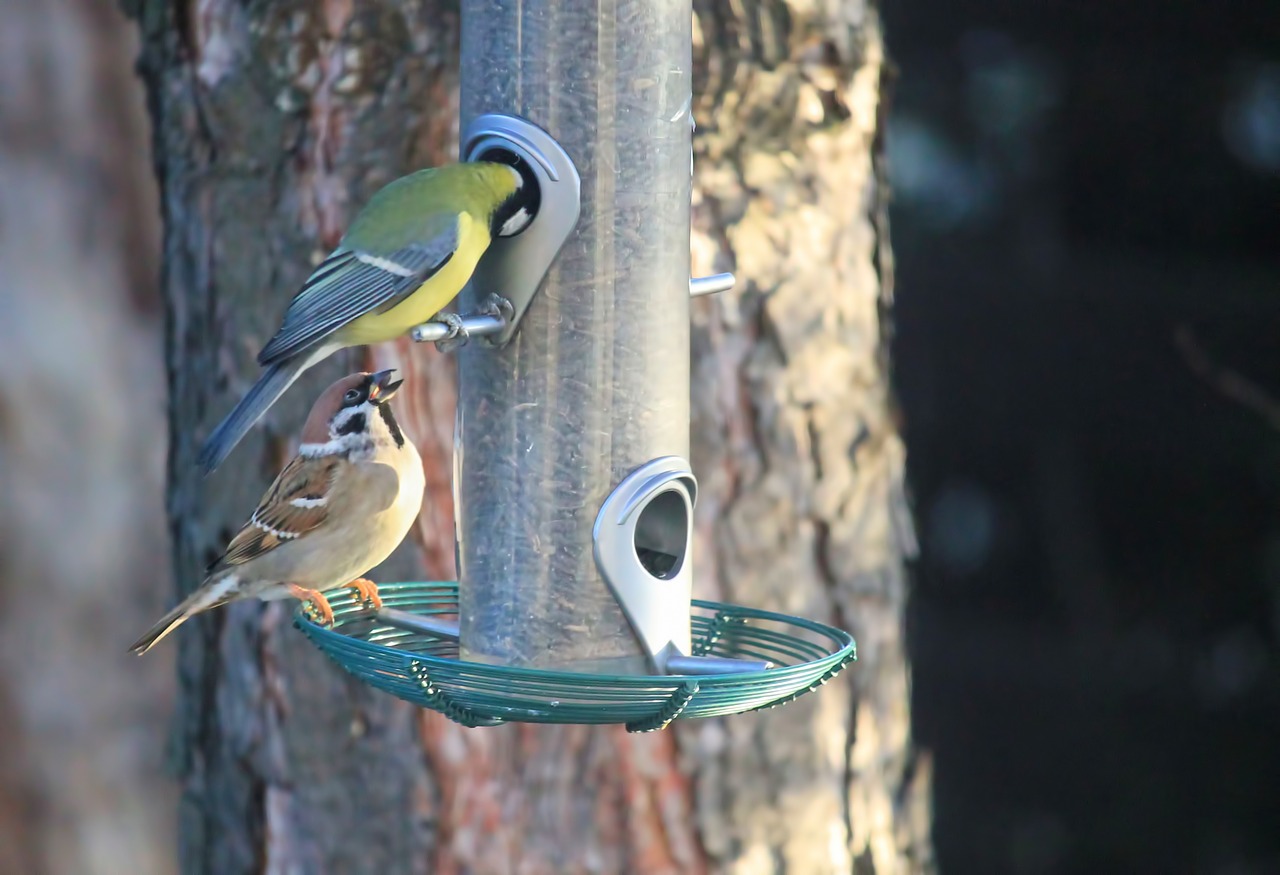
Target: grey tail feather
{"points": [[203, 599], [270, 386], [166, 624]]}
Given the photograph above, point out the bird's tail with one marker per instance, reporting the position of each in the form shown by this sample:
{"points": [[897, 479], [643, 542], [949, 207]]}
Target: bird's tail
{"points": [[270, 386], [213, 593]]}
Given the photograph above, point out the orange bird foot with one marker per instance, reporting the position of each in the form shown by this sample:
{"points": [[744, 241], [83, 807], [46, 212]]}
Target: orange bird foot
{"points": [[368, 592], [318, 607]]}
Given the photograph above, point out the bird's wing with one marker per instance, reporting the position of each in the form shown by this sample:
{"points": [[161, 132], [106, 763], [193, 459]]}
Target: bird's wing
{"points": [[295, 505], [356, 279]]}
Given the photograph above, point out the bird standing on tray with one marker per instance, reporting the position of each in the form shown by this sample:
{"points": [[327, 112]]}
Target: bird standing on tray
{"points": [[406, 255], [338, 509]]}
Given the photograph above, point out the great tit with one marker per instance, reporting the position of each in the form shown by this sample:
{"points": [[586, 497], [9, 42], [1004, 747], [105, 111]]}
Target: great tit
{"points": [[406, 255]]}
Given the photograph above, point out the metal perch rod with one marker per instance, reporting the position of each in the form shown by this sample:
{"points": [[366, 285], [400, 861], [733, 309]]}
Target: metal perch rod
{"points": [[677, 665], [479, 324], [710, 285]]}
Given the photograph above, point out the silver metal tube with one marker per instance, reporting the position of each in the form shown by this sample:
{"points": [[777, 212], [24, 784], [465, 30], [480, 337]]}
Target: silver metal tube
{"points": [[710, 285], [478, 325], [596, 379], [710, 665], [447, 629]]}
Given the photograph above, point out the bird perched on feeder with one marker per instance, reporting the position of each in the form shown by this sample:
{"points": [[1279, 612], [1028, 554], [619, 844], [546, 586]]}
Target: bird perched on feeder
{"points": [[406, 255], [338, 509]]}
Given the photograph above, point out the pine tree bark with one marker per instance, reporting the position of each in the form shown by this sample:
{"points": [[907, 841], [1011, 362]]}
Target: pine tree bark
{"points": [[802, 506], [273, 120]]}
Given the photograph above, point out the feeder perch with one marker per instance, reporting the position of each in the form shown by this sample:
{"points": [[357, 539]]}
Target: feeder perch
{"points": [[410, 649]]}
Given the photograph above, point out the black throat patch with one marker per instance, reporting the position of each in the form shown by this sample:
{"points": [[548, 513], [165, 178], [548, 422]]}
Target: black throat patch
{"points": [[354, 425], [392, 425]]}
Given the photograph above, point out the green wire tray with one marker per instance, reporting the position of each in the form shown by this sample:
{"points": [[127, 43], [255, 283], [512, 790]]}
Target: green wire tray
{"points": [[425, 669]]}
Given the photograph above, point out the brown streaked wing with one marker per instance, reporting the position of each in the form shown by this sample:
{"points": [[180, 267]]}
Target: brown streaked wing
{"points": [[278, 520]]}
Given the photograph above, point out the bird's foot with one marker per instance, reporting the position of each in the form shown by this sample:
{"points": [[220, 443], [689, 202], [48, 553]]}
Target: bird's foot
{"points": [[318, 607], [457, 336], [496, 305], [367, 590]]}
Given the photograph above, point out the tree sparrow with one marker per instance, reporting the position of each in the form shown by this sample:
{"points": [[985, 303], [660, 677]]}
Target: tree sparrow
{"points": [[338, 509]]}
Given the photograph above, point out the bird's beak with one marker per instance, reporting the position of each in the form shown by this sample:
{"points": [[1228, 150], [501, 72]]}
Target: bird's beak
{"points": [[384, 387]]}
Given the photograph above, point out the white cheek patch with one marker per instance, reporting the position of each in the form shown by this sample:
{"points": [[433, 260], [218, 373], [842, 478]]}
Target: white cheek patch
{"points": [[515, 224], [348, 445], [325, 449], [344, 416]]}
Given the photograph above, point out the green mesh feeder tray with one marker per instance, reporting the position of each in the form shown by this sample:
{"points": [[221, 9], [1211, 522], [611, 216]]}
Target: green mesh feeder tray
{"points": [[424, 669]]}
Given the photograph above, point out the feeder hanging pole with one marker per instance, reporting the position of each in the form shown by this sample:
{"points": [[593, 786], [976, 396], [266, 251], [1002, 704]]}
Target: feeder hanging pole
{"points": [[595, 380]]}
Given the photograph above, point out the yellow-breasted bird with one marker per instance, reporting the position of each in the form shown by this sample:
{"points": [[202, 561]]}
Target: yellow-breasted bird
{"points": [[406, 255]]}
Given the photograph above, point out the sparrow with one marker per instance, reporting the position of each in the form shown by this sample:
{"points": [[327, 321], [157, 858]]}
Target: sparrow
{"points": [[336, 510], [406, 255]]}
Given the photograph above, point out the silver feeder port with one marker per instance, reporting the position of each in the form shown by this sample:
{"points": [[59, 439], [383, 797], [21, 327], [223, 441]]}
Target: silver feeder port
{"points": [[642, 541], [643, 547], [514, 267]]}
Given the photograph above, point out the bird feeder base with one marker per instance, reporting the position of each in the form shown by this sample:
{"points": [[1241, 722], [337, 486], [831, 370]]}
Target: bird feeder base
{"points": [[425, 669]]}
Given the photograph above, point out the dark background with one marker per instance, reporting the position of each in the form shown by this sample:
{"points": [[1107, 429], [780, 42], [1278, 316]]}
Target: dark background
{"points": [[1087, 232]]}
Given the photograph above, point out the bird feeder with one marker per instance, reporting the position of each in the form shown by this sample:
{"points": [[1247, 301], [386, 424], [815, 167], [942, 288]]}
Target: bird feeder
{"points": [[573, 491]]}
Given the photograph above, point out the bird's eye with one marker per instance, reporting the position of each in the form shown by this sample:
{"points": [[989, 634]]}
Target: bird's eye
{"points": [[352, 395]]}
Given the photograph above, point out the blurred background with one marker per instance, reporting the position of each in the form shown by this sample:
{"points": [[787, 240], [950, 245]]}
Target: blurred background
{"points": [[1087, 232], [84, 557]]}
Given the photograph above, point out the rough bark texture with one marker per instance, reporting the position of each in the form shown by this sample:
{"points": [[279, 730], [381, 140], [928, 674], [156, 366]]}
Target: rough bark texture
{"points": [[272, 119], [801, 507]]}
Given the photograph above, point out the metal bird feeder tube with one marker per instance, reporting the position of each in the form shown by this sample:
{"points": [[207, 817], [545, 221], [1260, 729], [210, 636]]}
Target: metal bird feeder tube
{"points": [[595, 381]]}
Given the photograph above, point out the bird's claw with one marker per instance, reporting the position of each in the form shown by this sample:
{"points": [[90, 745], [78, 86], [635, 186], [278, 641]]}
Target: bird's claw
{"points": [[493, 305], [367, 590], [457, 336], [498, 306], [317, 606]]}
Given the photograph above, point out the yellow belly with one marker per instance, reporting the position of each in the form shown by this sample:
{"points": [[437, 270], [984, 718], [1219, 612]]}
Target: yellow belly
{"points": [[430, 298]]}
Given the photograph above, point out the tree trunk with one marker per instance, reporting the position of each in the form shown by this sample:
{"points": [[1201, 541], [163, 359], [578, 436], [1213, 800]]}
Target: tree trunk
{"points": [[82, 437], [274, 121], [802, 506]]}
